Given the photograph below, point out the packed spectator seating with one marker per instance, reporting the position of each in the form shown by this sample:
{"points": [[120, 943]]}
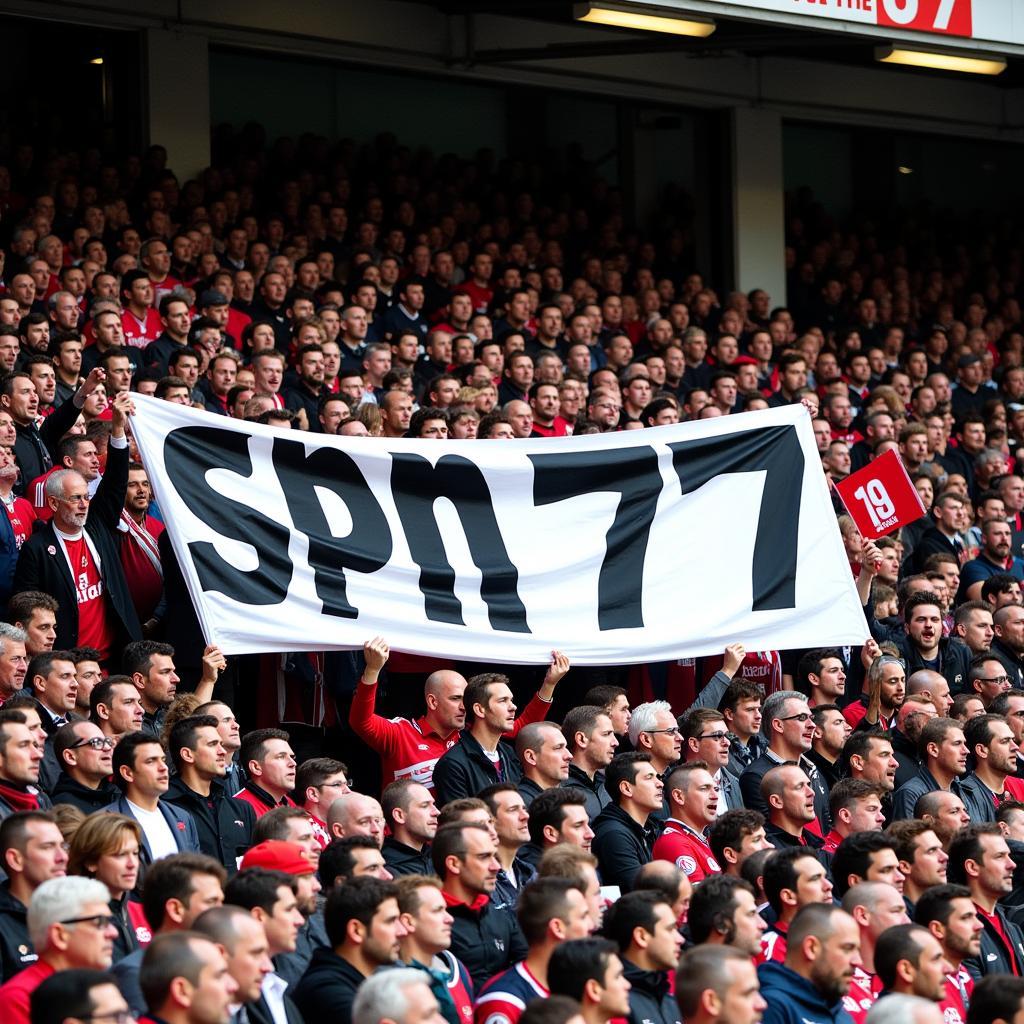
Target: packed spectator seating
{"points": [[829, 834]]}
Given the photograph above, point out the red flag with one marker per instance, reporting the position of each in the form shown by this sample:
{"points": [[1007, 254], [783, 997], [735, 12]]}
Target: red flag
{"points": [[880, 497]]}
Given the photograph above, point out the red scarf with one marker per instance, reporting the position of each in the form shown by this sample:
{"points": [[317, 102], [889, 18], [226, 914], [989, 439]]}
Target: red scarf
{"points": [[19, 799]]}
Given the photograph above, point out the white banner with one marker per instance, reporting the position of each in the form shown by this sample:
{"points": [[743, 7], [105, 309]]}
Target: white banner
{"points": [[641, 546]]}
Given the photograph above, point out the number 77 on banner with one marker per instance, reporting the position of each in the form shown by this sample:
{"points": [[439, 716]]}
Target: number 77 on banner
{"points": [[880, 497]]}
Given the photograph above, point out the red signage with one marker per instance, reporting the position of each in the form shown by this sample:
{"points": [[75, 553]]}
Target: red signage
{"points": [[880, 497], [949, 17]]}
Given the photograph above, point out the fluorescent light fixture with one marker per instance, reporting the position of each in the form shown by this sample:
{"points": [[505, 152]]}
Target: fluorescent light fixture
{"points": [[942, 60], [644, 19], [96, 60]]}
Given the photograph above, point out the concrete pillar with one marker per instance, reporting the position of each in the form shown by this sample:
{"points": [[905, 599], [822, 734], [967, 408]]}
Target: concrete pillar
{"points": [[757, 202], [177, 70]]}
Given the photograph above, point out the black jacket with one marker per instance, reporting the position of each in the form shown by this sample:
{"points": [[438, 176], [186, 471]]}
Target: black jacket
{"points": [[126, 941], [487, 941], [34, 446], [995, 958], [259, 1011], [905, 798], [465, 769], [68, 791], [16, 950], [224, 825], [597, 796], [42, 565], [649, 999], [328, 988], [404, 860], [978, 799], [621, 846]]}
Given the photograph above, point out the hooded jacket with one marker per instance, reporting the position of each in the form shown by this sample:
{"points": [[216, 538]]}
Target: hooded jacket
{"points": [[994, 957], [794, 1000], [598, 798], [650, 1001], [487, 941], [621, 846]]}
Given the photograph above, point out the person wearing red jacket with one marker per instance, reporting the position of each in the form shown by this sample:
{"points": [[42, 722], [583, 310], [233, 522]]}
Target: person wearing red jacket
{"points": [[409, 749]]}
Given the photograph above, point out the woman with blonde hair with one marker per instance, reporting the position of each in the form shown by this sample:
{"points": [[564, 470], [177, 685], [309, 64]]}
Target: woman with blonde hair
{"points": [[106, 847]]}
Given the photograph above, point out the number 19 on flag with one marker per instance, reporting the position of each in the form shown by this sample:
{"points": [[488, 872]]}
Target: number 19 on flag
{"points": [[880, 497]]}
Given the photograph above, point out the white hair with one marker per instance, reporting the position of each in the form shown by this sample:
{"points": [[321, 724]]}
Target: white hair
{"points": [[383, 995], [9, 632], [61, 899], [898, 1008], [54, 486], [645, 718]]}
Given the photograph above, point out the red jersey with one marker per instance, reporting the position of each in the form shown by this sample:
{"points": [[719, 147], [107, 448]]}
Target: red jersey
{"points": [[862, 995], [36, 494], [22, 516], [504, 998], [406, 749], [260, 800], [139, 333], [773, 945], [687, 849], [16, 993], [559, 428], [832, 841], [94, 629], [959, 986], [480, 297]]}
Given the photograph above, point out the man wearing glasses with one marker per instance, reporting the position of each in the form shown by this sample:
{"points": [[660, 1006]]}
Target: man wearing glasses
{"points": [[706, 738], [84, 755], [75, 557], [788, 725], [70, 926], [653, 730], [987, 678]]}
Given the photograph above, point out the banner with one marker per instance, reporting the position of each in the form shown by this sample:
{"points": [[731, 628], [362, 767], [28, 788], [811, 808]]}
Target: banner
{"points": [[640, 546]]}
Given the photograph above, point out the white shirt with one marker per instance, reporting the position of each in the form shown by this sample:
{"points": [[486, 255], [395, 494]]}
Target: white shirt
{"points": [[273, 988], [158, 832]]}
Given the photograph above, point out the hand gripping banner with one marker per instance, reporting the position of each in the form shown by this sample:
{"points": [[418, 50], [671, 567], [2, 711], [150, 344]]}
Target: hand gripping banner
{"points": [[640, 546]]}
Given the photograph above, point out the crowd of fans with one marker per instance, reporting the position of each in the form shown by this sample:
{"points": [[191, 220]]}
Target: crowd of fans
{"points": [[817, 835]]}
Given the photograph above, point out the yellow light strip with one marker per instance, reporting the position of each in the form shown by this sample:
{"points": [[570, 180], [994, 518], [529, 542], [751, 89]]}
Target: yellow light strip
{"points": [[983, 64], [623, 17]]}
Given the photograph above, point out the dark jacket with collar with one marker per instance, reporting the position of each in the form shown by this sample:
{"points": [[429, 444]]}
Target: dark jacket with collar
{"points": [[259, 1011], [180, 822], [994, 957], [68, 791], [621, 846], [650, 1001], [954, 658], [16, 950], [905, 798], [224, 825], [486, 940], [792, 999], [506, 895], [400, 859], [529, 791], [42, 565], [465, 769], [328, 988], [978, 798], [597, 796]]}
